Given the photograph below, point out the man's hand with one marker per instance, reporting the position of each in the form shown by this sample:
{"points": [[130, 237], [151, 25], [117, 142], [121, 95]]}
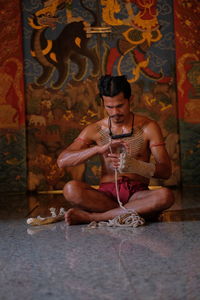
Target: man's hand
{"points": [[114, 159], [112, 151], [111, 147]]}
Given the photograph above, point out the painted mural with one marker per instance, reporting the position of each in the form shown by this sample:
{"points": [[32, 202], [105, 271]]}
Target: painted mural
{"points": [[68, 45], [187, 24], [12, 117], [144, 51]]}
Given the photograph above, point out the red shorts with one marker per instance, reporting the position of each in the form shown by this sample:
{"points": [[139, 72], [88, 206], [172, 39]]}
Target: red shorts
{"points": [[126, 188]]}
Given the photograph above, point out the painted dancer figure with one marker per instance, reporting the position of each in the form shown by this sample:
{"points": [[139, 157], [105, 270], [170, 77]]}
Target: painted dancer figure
{"points": [[124, 141]]}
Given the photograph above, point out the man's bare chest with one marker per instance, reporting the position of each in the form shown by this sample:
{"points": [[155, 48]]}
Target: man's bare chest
{"points": [[136, 145]]}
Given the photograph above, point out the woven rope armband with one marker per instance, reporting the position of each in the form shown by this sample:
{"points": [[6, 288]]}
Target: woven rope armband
{"points": [[132, 165]]}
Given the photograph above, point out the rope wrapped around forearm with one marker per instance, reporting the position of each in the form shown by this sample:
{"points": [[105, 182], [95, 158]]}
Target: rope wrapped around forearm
{"points": [[131, 165]]}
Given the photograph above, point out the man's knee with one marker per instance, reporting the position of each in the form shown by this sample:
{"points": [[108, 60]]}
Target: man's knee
{"points": [[72, 191], [166, 198]]}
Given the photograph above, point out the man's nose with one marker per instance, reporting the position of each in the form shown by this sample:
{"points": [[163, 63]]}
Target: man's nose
{"points": [[116, 111]]}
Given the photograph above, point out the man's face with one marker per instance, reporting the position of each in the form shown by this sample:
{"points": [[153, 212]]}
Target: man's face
{"points": [[117, 107]]}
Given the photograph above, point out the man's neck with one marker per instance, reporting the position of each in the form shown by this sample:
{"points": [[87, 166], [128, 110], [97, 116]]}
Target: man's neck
{"points": [[122, 129], [127, 122]]}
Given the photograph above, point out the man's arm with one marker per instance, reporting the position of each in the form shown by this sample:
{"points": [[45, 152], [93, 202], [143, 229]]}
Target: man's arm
{"points": [[156, 143], [76, 154], [162, 166], [81, 150]]}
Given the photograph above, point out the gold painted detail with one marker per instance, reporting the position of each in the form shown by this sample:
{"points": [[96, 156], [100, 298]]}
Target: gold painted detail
{"points": [[109, 9], [149, 24], [53, 56], [136, 70], [46, 50], [50, 7], [31, 23], [78, 42], [164, 106], [145, 36]]}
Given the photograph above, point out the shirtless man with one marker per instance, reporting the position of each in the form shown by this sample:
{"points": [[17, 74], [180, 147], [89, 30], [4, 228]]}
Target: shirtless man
{"points": [[124, 142]]}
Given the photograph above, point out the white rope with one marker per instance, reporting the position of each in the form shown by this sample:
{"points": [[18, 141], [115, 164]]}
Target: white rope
{"points": [[116, 185], [128, 219], [48, 220], [117, 192]]}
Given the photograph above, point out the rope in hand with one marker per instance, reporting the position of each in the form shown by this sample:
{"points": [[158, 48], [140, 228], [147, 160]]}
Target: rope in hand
{"points": [[129, 219], [116, 186]]}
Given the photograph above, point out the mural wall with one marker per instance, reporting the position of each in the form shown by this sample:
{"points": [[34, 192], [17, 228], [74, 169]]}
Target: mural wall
{"points": [[187, 24], [68, 45], [12, 119]]}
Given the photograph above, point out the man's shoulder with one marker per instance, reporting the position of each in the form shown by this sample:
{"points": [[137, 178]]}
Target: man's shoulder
{"points": [[143, 121], [91, 131], [94, 127], [148, 125]]}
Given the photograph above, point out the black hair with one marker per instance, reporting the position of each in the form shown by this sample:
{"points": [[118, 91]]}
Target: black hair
{"points": [[113, 85]]}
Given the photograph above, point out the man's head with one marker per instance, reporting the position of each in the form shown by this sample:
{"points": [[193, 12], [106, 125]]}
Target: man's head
{"points": [[113, 85], [115, 92]]}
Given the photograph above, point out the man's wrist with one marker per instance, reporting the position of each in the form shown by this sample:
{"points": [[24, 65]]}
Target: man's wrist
{"points": [[98, 149], [132, 165]]}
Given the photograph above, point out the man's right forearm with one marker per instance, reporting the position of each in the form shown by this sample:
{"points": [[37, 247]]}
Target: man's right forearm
{"points": [[70, 158]]}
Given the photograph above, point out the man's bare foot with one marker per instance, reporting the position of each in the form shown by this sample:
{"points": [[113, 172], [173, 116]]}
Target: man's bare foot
{"points": [[76, 216]]}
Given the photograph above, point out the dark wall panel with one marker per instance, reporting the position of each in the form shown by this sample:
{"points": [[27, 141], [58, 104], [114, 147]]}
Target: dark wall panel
{"points": [[187, 24], [12, 117]]}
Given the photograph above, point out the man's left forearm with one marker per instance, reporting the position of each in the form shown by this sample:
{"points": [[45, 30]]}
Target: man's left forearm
{"points": [[145, 169]]}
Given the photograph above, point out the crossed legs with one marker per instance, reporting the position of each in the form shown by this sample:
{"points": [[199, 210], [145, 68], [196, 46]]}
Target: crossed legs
{"points": [[96, 206]]}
